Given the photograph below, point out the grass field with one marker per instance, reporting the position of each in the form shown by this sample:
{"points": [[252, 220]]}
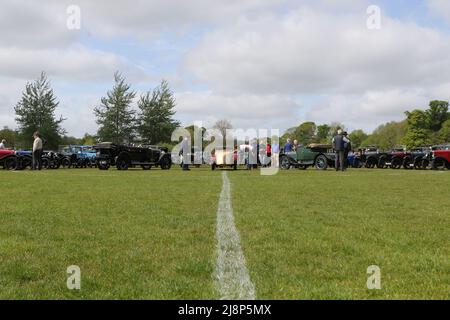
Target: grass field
{"points": [[151, 234]]}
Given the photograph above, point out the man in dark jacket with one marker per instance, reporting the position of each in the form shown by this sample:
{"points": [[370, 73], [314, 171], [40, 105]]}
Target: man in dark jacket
{"points": [[339, 148]]}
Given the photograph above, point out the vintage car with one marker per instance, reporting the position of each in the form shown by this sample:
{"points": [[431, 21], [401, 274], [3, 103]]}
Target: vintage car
{"points": [[124, 157], [222, 158], [78, 156], [24, 159], [440, 157], [319, 156], [8, 159]]}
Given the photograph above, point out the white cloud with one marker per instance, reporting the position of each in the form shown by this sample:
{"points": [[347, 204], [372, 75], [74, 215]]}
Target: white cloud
{"points": [[440, 8], [313, 52], [244, 110], [75, 63]]}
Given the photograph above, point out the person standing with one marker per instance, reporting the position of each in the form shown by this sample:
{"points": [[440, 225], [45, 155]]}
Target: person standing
{"points": [[37, 151], [186, 154], [347, 149], [338, 146], [275, 154], [2, 145]]}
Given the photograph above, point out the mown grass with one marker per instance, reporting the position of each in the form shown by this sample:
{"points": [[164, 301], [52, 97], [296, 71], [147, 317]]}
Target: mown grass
{"points": [[151, 234], [312, 235], [135, 234]]}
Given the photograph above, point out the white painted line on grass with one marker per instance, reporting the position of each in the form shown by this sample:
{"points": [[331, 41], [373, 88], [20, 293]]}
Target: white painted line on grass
{"points": [[231, 274]]}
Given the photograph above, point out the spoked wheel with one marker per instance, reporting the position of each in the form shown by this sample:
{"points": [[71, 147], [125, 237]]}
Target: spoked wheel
{"points": [[65, 163], [396, 163], [45, 163], [26, 163], [408, 163], [418, 164], [321, 163], [425, 164], [10, 164], [381, 163], [103, 166], [285, 163], [165, 163], [370, 164], [122, 164], [439, 164]]}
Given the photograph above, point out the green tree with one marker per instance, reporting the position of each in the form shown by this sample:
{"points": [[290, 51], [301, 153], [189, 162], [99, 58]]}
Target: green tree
{"points": [[418, 132], [306, 133], [387, 136], [323, 133], [115, 117], [88, 140], [437, 114], [155, 119], [68, 140], [35, 111], [444, 133], [357, 137], [11, 137]]}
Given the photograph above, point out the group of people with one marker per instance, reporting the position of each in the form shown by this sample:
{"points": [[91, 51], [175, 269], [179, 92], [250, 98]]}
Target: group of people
{"points": [[290, 146], [37, 150]]}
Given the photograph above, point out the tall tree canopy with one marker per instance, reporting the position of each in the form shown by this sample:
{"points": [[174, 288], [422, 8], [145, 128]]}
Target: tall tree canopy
{"points": [[115, 116], [437, 114], [155, 122], [36, 110]]}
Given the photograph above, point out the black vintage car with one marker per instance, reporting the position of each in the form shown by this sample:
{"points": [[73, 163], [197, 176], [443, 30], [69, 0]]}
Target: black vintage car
{"points": [[124, 157]]}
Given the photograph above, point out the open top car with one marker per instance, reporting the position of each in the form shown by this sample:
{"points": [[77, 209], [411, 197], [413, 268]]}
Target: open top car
{"points": [[124, 157], [320, 156]]}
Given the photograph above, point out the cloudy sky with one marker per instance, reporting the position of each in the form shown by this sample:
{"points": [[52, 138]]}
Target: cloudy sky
{"points": [[258, 63]]}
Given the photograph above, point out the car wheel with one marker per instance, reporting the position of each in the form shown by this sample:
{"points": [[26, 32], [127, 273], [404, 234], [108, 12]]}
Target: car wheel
{"points": [[65, 163], [26, 163], [103, 166], [165, 163], [408, 163], [45, 163], [321, 163], [396, 163], [424, 164], [370, 163], [438, 164], [285, 163], [381, 163], [122, 164], [10, 164]]}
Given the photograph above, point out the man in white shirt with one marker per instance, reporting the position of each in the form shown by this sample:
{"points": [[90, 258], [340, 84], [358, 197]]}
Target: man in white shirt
{"points": [[37, 151], [2, 145]]}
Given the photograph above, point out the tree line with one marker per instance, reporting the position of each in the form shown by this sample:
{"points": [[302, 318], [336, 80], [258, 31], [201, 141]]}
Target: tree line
{"points": [[419, 128], [123, 117]]}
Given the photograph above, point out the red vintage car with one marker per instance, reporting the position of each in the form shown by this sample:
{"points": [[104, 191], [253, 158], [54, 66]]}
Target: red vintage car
{"points": [[441, 157], [8, 159]]}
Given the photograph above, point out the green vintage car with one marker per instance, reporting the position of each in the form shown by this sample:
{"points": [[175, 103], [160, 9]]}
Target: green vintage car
{"points": [[320, 156]]}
